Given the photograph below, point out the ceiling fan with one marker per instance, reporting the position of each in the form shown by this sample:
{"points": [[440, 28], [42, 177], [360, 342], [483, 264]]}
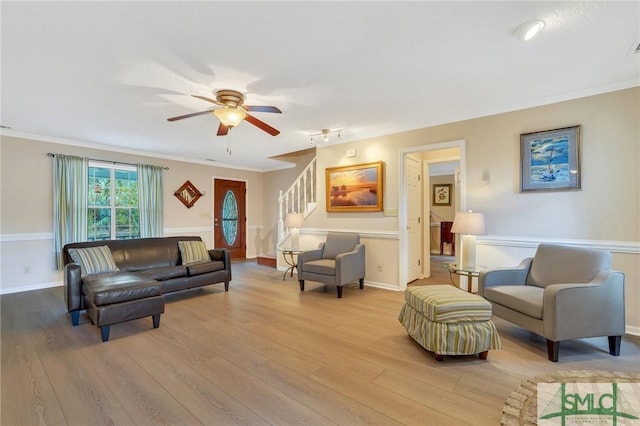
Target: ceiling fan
{"points": [[233, 111]]}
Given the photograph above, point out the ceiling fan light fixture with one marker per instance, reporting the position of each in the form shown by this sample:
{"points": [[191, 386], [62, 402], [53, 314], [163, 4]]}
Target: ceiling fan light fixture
{"points": [[528, 30], [230, 116]]}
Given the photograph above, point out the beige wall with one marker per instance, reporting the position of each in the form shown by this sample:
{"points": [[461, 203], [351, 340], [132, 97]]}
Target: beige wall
{"points": [[26, 214], [605, 212], [609, 163]]}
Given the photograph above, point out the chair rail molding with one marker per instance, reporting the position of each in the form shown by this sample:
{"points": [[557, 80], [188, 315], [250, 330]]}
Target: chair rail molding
{"points": [[627, 247]]}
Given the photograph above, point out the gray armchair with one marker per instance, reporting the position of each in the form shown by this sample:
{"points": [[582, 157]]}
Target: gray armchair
{"points": [[337, 261], [562, 293]]}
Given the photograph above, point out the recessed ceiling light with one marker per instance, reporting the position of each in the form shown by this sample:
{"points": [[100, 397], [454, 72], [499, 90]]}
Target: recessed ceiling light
{"points": [[528, 30]]}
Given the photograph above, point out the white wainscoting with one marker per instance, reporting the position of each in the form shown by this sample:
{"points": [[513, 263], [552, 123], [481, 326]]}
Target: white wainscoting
{"points": [[28, 261]]}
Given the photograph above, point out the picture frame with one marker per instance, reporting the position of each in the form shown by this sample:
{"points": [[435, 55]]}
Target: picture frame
{"points": [[550, 160], [356, 188], [188, 194], [442, 194]]}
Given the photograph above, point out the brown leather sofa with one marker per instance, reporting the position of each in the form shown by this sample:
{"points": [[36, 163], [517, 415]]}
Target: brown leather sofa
{"points": [[149, 268]]}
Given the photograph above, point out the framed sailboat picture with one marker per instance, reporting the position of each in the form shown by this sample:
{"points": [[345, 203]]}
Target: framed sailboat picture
{"points": [[550, 160]]}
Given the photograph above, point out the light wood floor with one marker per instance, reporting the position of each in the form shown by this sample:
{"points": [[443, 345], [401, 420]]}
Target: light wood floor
{"points": [[263, 353]]}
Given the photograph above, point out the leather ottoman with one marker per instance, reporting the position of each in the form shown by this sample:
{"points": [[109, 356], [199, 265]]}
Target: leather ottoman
{"points": [[113, 298]]}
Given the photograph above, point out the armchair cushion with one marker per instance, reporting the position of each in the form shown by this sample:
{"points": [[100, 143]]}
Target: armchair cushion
{"points": [[526, 299], [556, 264], [339, 243], [322, 266]]}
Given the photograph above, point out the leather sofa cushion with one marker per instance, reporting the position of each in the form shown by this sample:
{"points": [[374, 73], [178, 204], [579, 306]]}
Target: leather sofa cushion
{"points": [[165, 273], [322, 266], [526, 299], [204, 267], [116, 287]]}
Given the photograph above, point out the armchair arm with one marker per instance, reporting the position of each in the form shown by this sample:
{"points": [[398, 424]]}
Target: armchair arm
{"points": [[73, 287], [307, 256], [577, 310], [504, 276], [350, 265]]}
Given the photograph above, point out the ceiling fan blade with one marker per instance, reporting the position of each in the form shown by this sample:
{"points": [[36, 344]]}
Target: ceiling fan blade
{"points": [[204, 98], [261, 108], [262, 125], [222, 130], [193, 114]]}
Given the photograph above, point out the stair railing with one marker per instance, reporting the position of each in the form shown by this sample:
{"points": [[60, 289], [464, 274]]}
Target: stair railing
{"points": [[301, 197]]}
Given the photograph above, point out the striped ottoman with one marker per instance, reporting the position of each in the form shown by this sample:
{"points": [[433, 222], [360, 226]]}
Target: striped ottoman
{"points": [[449, 321]]}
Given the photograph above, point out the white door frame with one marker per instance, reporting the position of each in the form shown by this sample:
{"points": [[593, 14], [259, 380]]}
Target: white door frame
{"points": [[403, 249]]}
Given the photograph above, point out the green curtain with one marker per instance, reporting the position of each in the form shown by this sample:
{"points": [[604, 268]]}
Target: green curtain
{"points": [[70, 193], [150, 201]]}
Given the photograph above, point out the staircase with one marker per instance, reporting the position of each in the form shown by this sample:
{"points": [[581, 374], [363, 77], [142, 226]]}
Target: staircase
{"points": [[300, 197]]}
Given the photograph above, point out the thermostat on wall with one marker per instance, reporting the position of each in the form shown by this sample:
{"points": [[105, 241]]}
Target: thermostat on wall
{"points": [[351, 152]]}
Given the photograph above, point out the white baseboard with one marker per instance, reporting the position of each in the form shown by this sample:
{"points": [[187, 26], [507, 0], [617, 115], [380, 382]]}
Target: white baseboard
{"points": [[39, 286]]}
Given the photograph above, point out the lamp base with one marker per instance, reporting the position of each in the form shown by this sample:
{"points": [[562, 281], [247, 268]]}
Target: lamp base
{"points": [[295, 238], [468, 259]]}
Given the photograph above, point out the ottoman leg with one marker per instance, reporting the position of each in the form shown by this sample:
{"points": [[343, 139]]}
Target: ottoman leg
{"points": [[156, 320], [483, 355], [439, 357]]}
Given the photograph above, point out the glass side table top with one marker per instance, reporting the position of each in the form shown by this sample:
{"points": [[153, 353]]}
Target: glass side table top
{"points": [[454, 267]]}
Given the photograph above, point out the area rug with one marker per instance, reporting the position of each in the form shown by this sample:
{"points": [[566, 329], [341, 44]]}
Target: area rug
{"points": [[522, 405]]}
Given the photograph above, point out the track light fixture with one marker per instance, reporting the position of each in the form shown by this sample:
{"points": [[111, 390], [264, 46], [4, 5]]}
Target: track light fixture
{"points": [[325, 134]]}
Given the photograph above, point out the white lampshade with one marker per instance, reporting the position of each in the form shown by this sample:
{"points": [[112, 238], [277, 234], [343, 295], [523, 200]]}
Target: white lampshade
{"points": [[294, 220], [469, 223], [230, 116]]}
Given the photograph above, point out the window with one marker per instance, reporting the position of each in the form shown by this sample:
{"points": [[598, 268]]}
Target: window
{"points": [[113, 202]]}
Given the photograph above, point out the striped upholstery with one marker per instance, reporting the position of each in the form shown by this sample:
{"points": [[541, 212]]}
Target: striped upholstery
{"points": [[449, 321], [193, 252], [93, 260], [445, 303]]}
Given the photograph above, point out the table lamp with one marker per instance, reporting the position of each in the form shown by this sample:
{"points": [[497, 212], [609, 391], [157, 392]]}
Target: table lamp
{"points": [[293, 221], [468, 224]]}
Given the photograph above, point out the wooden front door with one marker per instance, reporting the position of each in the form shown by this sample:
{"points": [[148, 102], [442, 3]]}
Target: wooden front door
{"points": [[229, 217]]}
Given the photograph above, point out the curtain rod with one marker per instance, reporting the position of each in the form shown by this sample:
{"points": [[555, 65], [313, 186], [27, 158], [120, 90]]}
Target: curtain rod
{"points": [[51, 154]]}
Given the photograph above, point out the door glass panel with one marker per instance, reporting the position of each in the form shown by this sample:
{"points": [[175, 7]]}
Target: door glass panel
{"points": [[230, 217]]}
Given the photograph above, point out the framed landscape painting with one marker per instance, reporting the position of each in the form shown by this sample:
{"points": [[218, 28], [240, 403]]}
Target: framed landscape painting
{"points": [[356, 188], [550, 160]]}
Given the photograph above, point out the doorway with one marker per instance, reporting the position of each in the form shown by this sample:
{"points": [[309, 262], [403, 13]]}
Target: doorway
{"points": [[229, 217], [416, 249]]}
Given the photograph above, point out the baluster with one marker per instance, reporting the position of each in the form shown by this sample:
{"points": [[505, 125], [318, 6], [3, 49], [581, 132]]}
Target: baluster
{"points": [[304, 190], [313, 177]]}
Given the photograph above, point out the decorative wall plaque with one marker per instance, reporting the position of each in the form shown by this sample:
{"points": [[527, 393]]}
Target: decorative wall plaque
{"points": [[188, 194]]}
